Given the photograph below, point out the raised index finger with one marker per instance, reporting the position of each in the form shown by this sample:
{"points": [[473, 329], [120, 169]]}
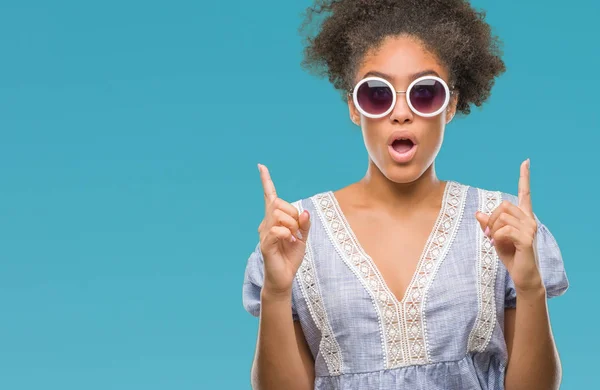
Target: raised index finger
{"points": [[525, 188], [267, 183]]}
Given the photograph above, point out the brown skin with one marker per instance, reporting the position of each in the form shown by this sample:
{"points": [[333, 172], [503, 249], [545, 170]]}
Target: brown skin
{"points": [[394, 185], [410, 194], [393, 208], [398, 200]]}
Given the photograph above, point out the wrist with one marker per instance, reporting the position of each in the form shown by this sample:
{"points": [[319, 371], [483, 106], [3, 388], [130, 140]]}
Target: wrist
{"points": [[533, 290], [273, 294]]}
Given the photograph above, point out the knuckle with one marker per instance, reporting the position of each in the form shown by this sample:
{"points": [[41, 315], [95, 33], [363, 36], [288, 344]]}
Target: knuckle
{"points": [[498, 233], [277, 214], [294, 222], [530, 241], [295, 213]]}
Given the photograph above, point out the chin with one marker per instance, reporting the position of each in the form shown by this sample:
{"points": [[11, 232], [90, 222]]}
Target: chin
{"points": [[402, 174]]}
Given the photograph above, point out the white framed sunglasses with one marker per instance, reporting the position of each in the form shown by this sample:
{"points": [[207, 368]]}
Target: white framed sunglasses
{"points": [[375, 97]]}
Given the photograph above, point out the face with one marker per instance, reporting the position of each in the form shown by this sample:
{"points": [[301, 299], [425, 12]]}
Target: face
{"points": [[396, 60]]}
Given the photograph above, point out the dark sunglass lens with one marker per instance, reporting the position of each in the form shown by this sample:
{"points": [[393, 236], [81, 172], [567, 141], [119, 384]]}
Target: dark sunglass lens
{"points": [[375, 97], [427, 96]]}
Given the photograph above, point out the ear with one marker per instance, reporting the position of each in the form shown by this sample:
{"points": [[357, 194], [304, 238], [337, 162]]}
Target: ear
{"points": [[353, 112], [451, 109]]}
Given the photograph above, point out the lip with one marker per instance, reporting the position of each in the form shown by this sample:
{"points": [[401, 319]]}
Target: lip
{"points": [[401, 134], [403, 157]]}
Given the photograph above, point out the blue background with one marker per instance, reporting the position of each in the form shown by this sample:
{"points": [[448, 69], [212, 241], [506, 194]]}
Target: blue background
{"points": [[130, 197]]}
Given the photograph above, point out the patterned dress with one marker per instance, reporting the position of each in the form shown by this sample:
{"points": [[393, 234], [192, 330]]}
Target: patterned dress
{"points": [[446, 332]]}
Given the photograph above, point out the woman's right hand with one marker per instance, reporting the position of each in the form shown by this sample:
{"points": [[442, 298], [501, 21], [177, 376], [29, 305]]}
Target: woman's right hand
{"points": [[283, 235]]}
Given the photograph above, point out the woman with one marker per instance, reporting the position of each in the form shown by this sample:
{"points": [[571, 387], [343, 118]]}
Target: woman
{"points": [[402, 280]]}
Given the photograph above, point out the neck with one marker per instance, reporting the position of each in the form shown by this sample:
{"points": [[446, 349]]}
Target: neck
{"points": [[401, 198]]}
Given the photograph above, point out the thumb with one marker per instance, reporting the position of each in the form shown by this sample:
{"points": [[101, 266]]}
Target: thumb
{"points": [[482, 219], [304, 224]]}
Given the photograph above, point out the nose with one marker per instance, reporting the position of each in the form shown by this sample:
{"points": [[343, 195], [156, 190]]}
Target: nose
{"points": [[401, 112]]}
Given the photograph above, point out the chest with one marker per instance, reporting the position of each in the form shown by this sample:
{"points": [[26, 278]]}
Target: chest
{"points": [[401, 291], [394, 246]]}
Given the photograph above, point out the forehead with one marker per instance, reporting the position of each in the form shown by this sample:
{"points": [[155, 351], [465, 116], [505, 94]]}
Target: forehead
{"points": [[400, 57]]}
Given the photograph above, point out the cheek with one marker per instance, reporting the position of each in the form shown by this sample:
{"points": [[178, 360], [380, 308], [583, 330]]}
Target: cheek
{"points": [[433, 136], [374, 139]]}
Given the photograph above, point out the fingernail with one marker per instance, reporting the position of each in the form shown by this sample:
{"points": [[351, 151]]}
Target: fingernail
{"points": [[487, 231], [492, 241], [293, 239], [258, 165], [528, 163], [299, 234]]}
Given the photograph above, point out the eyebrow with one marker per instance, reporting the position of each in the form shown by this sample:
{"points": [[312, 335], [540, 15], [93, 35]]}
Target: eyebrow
{"points": [[411, 77]]}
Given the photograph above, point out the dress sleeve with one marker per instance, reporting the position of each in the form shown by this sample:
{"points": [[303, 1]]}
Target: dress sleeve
{"points": [[552, 267], [253, 282]]}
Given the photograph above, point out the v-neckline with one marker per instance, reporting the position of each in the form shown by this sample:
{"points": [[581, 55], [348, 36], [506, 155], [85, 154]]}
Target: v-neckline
{"points": [[418, 269]]}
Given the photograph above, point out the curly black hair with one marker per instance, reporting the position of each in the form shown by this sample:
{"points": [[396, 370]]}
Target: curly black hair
{"points": [[451, 29]]}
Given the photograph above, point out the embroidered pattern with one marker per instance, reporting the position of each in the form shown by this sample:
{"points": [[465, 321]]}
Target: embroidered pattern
{"points": [[402, 323], [487, 266], [345, 243], [307, 278], [437, 246]]}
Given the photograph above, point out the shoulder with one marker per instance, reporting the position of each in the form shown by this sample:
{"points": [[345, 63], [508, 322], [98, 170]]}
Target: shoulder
{"points": [[310, 201], [489, 198], [489, 194]]}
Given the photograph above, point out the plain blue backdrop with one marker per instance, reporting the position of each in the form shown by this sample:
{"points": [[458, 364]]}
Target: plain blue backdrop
{"points": [[130, 198]]}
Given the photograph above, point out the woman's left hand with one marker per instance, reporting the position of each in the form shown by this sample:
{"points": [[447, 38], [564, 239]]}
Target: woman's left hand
{"points": [[512, 230]]}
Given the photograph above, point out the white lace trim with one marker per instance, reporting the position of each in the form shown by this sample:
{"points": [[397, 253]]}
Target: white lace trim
{"points": [[487, 266], [309, 285], [386, 307], [402, 323], [437, 247]]}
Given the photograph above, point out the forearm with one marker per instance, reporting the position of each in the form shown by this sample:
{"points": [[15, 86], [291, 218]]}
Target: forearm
{"points": [[533, 362], [278, 363]]}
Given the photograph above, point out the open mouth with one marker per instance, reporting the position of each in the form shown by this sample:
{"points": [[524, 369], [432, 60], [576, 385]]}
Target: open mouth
{"points": [[402, 145]]}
